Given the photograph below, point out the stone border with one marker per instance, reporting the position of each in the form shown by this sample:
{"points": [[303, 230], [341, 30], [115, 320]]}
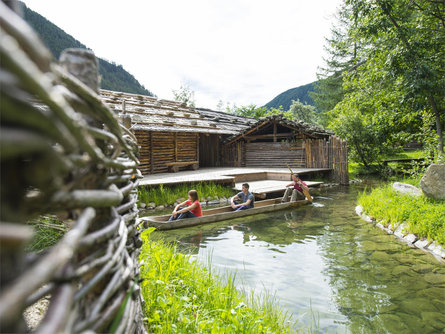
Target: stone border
{"points": [[411, 239]]}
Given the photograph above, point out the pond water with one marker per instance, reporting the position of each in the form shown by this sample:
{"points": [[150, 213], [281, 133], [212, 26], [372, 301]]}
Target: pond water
{"points": [[323, 262]]}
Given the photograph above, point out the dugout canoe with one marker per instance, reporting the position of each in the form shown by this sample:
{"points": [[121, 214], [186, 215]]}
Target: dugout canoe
{"points": [[218, 214]]}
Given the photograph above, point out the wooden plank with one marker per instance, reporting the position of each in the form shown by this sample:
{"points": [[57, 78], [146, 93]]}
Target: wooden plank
{"points": [[256, 128], [269, 136], [179, 125], [181, 163], [226, 175], [148, 112]]}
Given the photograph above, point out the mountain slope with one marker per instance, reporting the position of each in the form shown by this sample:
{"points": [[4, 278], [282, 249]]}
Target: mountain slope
{"points": [[114, 77], [298, 93]]}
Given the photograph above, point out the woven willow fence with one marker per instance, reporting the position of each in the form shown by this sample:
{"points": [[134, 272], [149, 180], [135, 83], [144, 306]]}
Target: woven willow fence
{"points": [[64, 152]]}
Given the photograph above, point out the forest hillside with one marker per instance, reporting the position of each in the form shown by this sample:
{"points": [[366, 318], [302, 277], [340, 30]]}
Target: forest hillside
{"points": [[113, 76]]}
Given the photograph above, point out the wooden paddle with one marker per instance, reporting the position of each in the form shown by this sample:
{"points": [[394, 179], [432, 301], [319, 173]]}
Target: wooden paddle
{"points": [[305, 191]]}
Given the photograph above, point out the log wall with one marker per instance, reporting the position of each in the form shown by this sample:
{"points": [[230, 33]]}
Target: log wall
{"points": [[270, 154], [144, 143], [163, 151], [187, 146], [159, 148]]}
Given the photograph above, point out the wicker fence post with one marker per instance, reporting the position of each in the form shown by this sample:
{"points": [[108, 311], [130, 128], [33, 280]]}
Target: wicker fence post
{"points": [[64, 152], [82, 64]]}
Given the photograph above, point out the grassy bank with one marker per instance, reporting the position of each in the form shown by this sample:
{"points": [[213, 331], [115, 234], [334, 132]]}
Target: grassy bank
{"points": [[393, 170], [168, 195], [425, 217], [182, 296]]}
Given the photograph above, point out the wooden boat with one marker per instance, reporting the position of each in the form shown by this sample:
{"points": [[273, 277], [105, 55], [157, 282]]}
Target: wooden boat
{"points": [[218, 214]]}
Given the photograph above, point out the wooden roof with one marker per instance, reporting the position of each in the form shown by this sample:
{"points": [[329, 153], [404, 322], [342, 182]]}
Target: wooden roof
{"points": [[310, 130], [152, 114]]}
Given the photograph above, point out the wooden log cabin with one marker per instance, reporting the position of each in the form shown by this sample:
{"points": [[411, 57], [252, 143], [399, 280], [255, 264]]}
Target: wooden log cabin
{"points": [[275, 141], [172, 136]]}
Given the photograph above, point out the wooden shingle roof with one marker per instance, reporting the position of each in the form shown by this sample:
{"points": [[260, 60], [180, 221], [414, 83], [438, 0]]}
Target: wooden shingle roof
{"points": [[311, 130], [152, 114]]}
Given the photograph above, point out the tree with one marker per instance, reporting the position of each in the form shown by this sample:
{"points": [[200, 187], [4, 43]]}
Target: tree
{"points": [[220, 105], [364, 139], [249, 111], [406, 39], [302, 112], [342, 51], [185, 95], [396, 77]]}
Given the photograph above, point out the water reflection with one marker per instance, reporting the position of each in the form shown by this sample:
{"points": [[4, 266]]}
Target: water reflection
{"points": [[323, 260]]}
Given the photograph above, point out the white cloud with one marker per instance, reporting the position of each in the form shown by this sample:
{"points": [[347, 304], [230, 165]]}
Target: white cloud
{"points": [[237, 51]]}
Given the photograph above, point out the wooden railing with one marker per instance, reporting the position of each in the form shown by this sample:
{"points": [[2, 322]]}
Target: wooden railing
{"points": [[64, 152]]}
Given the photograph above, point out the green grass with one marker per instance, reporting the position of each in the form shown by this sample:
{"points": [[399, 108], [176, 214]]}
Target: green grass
{"points": [[393, 170], [48, 230], [182, 296], [425, 217], [407, 154], [168, 195]]}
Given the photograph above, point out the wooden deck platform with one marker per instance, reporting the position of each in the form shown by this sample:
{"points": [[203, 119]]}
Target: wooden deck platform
{"points": [[228, 175]]}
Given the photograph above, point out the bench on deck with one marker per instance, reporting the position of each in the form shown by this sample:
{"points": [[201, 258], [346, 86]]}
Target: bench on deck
{"points": [[173, 167]]}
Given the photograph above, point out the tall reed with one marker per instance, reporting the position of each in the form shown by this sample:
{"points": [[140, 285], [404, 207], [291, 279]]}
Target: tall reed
{"points": [[162, 194]]}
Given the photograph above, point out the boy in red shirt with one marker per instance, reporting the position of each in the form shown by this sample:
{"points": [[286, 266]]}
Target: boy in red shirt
{"points": [[298, 184]]}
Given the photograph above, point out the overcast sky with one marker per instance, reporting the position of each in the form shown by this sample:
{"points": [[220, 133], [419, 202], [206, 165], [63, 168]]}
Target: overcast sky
{"points": [[238, 51]]}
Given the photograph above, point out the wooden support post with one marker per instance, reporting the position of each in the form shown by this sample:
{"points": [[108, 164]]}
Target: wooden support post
{"points": [[307, 148], [151, 153], [197, 147], [175, 139], [218, 164], [274, 132]]}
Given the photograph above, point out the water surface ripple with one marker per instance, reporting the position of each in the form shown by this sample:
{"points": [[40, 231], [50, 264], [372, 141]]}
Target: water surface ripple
{"points": [[322, 261]]}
